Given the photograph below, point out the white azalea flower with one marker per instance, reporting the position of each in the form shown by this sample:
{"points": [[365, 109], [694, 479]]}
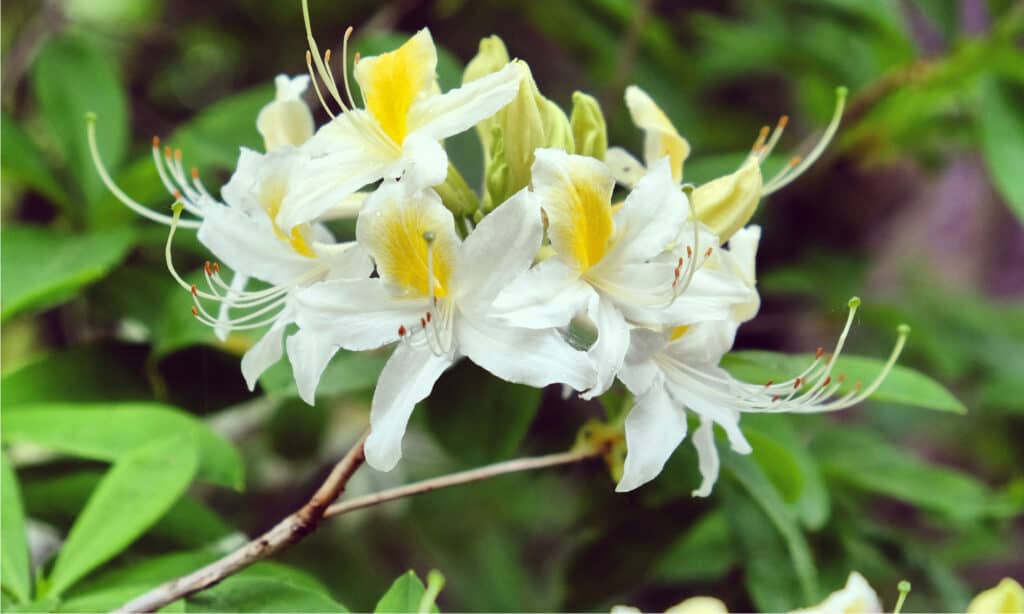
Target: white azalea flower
{"points": [[678, 370], [616, 265], [286, 120], [857, 597], [727, 203], [398, 132], [436, 295]]}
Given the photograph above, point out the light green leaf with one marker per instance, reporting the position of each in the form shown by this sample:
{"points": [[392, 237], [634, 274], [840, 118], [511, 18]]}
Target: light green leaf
{"points": [[763, 492], [139, 488], [1000, 121], [14, 560], [43, 268], [477, 417], [265, 587], [405, 595], [903, 385], [72, 77], [22, 162], [866, 462], [80, 373], [107, 432]]}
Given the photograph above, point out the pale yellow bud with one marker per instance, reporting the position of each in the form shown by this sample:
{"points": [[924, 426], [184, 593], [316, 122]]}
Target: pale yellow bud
{"points": [[1005, 598], [590, 134], [286, 120], [699, 605], [726, 204]]}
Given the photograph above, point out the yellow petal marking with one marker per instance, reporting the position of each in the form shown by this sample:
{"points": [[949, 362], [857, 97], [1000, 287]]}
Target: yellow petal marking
{"points": [[678, 332], [271, 195], [402, 254], [589, 229], [395, 80]]}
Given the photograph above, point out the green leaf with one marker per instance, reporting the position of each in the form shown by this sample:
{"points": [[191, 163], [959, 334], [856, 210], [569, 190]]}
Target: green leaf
{"points": [[903, 385], [43, 268], [14, 559], [704, 553], [139, 488], [107, 432], [477, 417], [864, 461], [72, 77], [1000, 121], [763, 492], [21, 161], [405, 595], [265, 588], [80, 373]]}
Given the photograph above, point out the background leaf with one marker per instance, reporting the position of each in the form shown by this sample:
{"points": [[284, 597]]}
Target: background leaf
{"points": [[17, 572], [265, 588], [139, 488], [23, 162], [109, 431], [1000, 120], [43, 267]]}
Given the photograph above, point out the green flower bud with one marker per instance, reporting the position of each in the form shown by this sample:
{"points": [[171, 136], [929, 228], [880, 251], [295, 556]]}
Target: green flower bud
{"points": [[589, 132]]}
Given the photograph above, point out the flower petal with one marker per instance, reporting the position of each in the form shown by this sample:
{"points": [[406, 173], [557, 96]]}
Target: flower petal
{"points": [[533, 357], [575, 192], [460, 109], [249, 245], [309, 352], [407, 378], [660, 136], [651, 217], [654, 429], [609, 351], [547, 296], [424, 163], [392, 82], [265, 352], [358, 315], [499, 249], [697, 396], [707, 456], [626, 169], [223, 329]]}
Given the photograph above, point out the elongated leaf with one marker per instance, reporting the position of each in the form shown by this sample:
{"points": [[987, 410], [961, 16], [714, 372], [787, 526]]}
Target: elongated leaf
{"points": [[405, 595], [903, 385], [22, 162], [139, 488], [14, 561], [43, 268], [863, 460], [81, 373], [71, 77], [1000, 120], [477, 417], [266, 587], [763, 492], [109, 431]]}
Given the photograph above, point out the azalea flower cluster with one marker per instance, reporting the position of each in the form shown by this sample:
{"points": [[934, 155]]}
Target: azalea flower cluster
{"points": [[662, 278]]}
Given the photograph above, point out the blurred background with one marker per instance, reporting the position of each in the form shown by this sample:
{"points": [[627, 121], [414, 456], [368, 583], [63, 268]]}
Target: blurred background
{"points": [[916, 207]]}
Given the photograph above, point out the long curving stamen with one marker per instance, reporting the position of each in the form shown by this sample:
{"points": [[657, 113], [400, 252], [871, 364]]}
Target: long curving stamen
{"points": [[325, 74], [344, 66], [833, 126], [101, 169], [316, 84]]}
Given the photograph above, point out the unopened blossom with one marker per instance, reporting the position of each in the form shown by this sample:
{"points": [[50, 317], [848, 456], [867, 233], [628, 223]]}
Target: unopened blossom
{"points": [[286, 120], [398, 131], [857, 597], [1007, 597], [673, 371], [727, 203], [435, 295]]}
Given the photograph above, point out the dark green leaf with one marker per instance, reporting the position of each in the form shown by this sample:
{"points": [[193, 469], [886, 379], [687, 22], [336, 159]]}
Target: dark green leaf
{"points": [[43, 268], [80, 373], [763, 492], [866, 462], [139, 488], [107, 432], [902, 385], [265, 588], [14, 560], [477, 417], [1000, 120], [705, 552], [22, 162], [72, 77]]}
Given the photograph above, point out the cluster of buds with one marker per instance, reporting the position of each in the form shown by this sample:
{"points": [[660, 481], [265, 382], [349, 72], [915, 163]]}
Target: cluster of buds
{"points": [[663, 277]]}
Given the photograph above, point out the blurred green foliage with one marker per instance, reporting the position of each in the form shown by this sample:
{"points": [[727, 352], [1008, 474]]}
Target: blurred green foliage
{"points": [[127, 430]]}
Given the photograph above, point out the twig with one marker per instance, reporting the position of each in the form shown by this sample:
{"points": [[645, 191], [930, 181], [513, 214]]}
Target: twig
{"points": [[462, 477], [289, 531]]}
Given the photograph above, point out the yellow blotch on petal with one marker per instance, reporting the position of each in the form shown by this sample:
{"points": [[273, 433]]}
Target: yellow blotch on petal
{"points": [[402, 256], [588, 230], [660, 137], [271, 195], [1005, 598], [393, 81], [679, 331]]}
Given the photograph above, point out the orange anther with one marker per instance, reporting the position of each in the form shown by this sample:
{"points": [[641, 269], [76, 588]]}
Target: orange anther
{"points": [[401, 331], [195, 173], [216, 267], [167, 151], [769, 383], [195, 291], [819, 353], [177, 155], [156, 142], [775, 398], [195, 311], [428, 316], [783, 121], [796, 383]]}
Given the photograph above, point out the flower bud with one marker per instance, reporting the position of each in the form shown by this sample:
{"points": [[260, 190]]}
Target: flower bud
{"points": [[589, 132], [726, 204], [1007, 596], [286, 120]]}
